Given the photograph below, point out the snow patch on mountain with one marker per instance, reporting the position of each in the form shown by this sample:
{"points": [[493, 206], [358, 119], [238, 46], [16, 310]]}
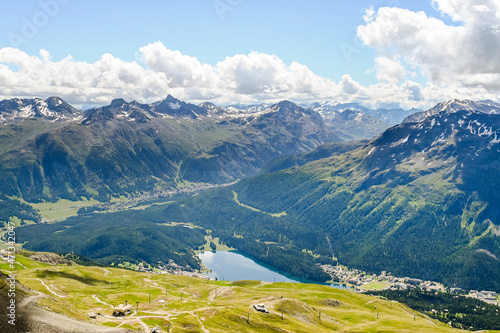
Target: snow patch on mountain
{"points": [[175, 106], [53, 109], [495, 140], [488, 107]]}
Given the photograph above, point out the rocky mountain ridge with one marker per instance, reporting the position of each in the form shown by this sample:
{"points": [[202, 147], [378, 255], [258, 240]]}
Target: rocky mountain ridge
{"points": [[125, 147], [488, 107], [53, 109]]}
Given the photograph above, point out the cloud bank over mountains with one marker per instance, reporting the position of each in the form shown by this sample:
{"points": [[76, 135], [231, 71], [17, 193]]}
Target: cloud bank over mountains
{"points": [[446, 54], [458, 60]]}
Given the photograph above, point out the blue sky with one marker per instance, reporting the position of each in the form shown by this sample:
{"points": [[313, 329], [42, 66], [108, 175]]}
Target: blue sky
{"points": [[313, 33], [321, 35]]}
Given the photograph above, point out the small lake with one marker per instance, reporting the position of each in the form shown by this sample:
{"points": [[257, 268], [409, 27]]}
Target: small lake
{"points": [[233, 266]]}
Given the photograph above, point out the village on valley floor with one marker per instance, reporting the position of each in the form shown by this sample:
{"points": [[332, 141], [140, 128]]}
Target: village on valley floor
{"points": [[359, 280], [362, 282]]}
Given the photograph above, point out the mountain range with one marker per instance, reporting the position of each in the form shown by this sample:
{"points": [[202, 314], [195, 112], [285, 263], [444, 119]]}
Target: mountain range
{"points": [[125, 147], [385, 115], [51, 150], [359, 122], [488, 107], [352, 124], [53, 108], [418, 200]]}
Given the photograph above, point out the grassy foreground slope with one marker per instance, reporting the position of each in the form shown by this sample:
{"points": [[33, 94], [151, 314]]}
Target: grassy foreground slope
{"points": [[194, 305]]}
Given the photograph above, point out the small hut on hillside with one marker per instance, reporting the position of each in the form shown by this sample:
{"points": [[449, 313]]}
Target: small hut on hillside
{"points": [[122, 310]]}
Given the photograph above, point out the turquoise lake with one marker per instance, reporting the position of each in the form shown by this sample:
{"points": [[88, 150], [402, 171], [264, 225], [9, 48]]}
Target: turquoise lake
{"points": [[233, 266]]}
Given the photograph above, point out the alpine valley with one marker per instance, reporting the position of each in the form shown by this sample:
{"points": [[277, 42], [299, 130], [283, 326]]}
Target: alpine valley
{"points": [[127, 147], [282, 183]]}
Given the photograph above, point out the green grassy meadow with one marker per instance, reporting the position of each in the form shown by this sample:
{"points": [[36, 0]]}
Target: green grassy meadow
{"points": [[186, 304]]}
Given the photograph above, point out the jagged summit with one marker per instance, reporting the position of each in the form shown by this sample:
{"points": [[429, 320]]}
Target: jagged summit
{"points": [[488, 107], [385, 115], [286, 104], [354, 123], [443, 136], [119, 102], [53, 108], [138, 145], [214, 110], [174, 107]]}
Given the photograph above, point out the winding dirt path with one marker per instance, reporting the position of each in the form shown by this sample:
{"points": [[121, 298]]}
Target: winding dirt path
{"points": [[99, 301], [64, 323], [48, 288], [22, 265], [193, 313], [59, 321]]}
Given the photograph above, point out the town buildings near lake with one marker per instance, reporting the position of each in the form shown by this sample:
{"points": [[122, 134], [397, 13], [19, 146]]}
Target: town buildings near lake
{"points": [[359, 280], [362, 282]]}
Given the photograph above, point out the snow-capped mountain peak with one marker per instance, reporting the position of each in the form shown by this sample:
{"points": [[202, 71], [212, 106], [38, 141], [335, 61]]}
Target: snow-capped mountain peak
{"points": [[488, 107], [53, 109]]}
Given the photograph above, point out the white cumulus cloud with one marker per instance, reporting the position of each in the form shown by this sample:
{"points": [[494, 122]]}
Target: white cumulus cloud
{"points": [[462, 54], [257, 77], [158, 72], [389, 70], [181, 70], [369, 13]]}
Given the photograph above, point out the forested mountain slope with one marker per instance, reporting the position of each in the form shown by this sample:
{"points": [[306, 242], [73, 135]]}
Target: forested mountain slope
{"points": [[420, 200], [125, 147]]}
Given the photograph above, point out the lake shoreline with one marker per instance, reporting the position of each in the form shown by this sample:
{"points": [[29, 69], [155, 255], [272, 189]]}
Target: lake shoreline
{"points": [[219, 261]]}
